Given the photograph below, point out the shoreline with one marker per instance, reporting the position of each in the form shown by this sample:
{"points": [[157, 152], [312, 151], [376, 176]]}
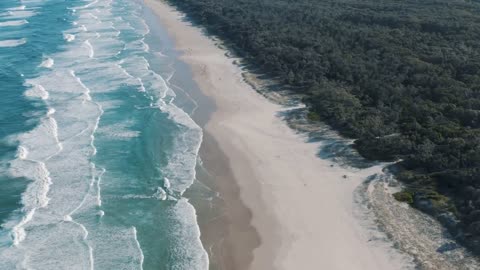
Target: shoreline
{"points": [[300, 206], [214, 193], [229, 237]]}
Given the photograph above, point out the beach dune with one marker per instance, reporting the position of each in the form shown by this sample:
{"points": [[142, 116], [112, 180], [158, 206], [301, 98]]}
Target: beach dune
{"points": [[300, 207]]}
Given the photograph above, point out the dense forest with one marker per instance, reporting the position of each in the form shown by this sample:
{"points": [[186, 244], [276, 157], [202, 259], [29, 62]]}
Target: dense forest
{"points": [[402, 77]]}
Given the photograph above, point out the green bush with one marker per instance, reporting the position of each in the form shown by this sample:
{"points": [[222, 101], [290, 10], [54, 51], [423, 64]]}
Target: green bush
{"points": [[313, 116], [404, 196]]}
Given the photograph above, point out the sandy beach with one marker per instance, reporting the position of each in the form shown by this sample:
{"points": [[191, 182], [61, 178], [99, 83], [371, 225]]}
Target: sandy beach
{"points": [[286, 208]]}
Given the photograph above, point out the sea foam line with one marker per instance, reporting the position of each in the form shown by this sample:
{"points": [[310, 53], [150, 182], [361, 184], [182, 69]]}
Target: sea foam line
{"points": [[147, 28], [139, 80], [41, 185], [182, 118], [12, 42], [90, 48], [54, 125], [93, 16], [13, 23], [146, 48], [18, 232], [92, 166], [18, 14], [69, 37], [88, 5], [22, 7], [99, 197], [68, 218], [38, 91], [142, 257], [39, 189], [36, 195], [47, 63], [86, 93]]}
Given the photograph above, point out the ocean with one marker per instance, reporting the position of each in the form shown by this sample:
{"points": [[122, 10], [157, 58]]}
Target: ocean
{"points": [[96, 147]]}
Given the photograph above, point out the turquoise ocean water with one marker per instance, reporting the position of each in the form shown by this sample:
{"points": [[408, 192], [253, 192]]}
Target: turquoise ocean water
{"points": [[94, 153]]}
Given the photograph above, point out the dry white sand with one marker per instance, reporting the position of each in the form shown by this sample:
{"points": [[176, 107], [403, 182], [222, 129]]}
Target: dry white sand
{"points": [[301, 207]]}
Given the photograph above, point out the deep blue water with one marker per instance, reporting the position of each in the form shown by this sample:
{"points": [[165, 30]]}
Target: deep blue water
{"points": [[95, 155]]}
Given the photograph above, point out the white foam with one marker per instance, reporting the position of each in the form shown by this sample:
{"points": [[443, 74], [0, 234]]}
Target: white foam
{"points": [[69, 37], [99, 194], [54, 131], [68, 218], [146, 28], [22, 7], [166, 183], [37, 91], [18, 232], [13, 23], [50, 111], [44, 186], [181, 166], [18, 14], [139, 80], [105, 45], [97, 121], [93, 16], [193, 254], [90, 49], [87, 91], [12, 42], [160, 194], [87, 5], [36, 194], [22, 152], [138, 67], [160, 54], [142, 257], [118, 132], [90, 255], [47, 63], [146, 48]]}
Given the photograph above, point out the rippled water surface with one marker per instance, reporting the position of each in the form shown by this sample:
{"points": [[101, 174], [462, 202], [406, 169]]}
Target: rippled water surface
{"points": [[95, 155]]}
